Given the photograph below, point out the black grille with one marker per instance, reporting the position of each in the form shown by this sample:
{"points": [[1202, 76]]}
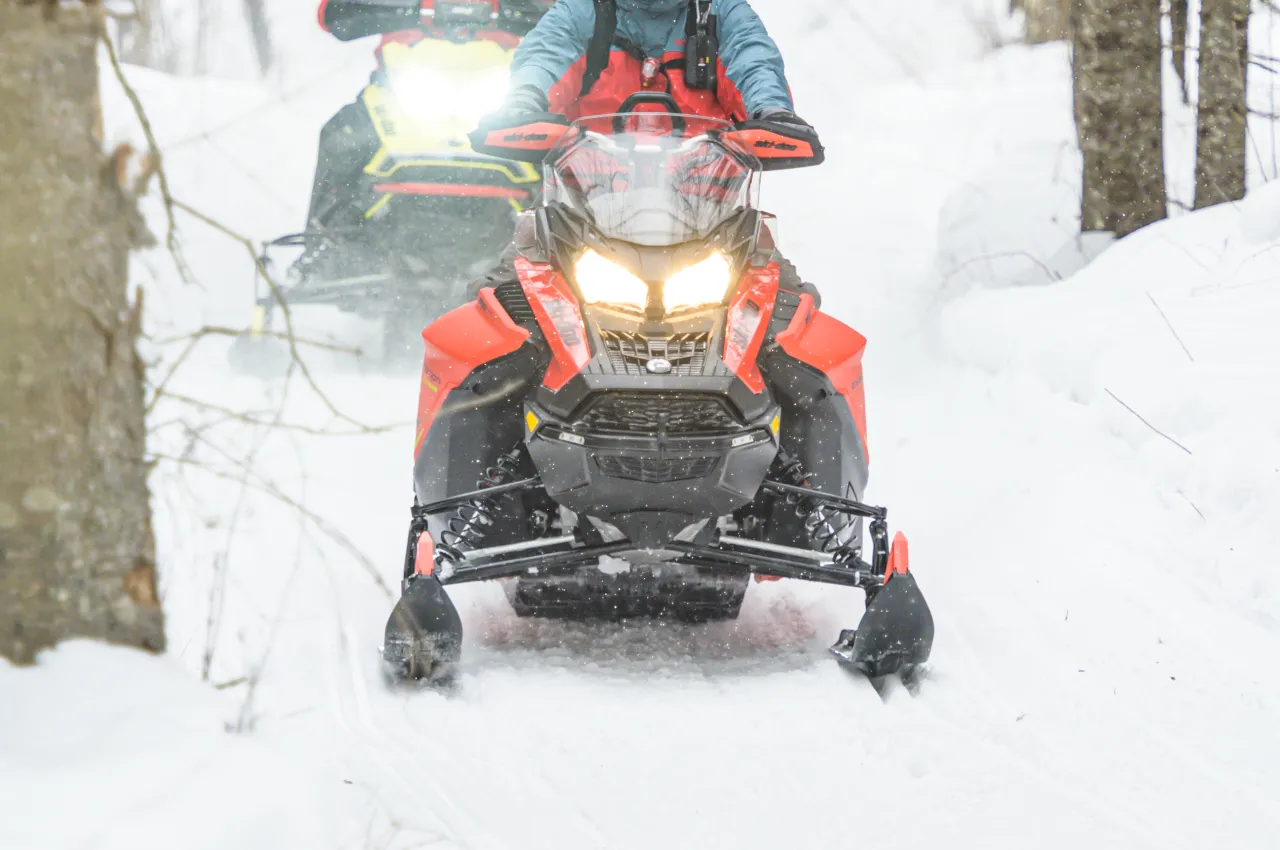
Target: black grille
{"points": [[512, 298], [659, 413], [629, 352], [654, 470]]}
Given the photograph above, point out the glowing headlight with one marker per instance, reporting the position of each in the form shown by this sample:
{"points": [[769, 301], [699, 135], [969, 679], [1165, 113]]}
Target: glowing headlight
{"points": [[425, 94], [700, 284], [605, 282]]}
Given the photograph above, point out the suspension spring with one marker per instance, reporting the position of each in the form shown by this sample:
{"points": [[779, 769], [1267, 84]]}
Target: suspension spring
{"points": [[827, 528], [470, 523]]}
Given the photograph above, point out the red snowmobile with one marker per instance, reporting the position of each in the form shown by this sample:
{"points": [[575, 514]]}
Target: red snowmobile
{"points": [[647, 394]]}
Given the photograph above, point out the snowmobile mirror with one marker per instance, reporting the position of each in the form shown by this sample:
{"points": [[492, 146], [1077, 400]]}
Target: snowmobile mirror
{"points": [[528, 238], [524, 143], [767, 240]]}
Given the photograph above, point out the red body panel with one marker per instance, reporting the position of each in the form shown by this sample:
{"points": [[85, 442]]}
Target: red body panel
{"points": [[833, 348], [750, 311], [457, 343], [558, 314]]}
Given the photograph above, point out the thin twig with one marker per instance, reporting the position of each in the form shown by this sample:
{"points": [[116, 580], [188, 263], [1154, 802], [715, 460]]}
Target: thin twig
{"points": [[265, 486], [1148, 424], [171, 239], [1004, 255], [1169, 325], [215, 330], [1193, 505], [249, 419], [284, 309]]}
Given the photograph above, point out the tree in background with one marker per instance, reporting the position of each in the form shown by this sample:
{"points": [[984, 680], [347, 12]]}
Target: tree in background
{"points": [[1116, 60], [1179, 18], [1222, 114], [1046, 20], [76, 546], [256, 15]]}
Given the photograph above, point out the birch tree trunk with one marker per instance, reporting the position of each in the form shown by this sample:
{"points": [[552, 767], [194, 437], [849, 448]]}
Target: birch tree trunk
{"points": [[1222, 115], [1116, 63], [76, 548], [1179, 18]]}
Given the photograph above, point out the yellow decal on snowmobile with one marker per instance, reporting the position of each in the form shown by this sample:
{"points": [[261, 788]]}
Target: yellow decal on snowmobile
{"points": [[373, 210]]}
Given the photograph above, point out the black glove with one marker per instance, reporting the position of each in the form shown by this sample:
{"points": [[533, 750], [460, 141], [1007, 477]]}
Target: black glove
{"points": [[525, 105], [778, 115]]}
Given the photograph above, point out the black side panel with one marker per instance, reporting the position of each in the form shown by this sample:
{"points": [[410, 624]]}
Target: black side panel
{"points": [[480, 420], [818, 429]]}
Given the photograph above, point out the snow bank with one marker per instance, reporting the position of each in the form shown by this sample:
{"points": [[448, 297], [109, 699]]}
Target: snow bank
{"points": [[111, 748]]}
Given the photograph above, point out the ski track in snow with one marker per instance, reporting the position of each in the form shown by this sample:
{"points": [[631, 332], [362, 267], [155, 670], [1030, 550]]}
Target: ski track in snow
{"points": [[1087, 688]]}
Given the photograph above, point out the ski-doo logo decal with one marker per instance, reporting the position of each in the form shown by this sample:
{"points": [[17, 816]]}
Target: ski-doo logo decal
{"points": [[749, 313], [780, 146], [560, 318]]}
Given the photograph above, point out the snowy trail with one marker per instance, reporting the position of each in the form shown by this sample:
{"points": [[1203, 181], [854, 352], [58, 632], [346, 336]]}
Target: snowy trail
{"points": [[1102, 675]]}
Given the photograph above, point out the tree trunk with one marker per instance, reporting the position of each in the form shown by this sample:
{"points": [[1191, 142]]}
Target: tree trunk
{"points": [[260, 32], [1116, 61], [76, 548], [1046, 20], [1222, 116], [1178, 20]]}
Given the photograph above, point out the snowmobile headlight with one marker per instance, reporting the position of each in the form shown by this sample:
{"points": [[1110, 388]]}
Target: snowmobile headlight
{"points": [[702, 284], [603, 281], [426, 95]]}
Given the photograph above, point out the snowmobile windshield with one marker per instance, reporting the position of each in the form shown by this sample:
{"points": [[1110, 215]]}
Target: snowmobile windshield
{"points": [[652, 179]]}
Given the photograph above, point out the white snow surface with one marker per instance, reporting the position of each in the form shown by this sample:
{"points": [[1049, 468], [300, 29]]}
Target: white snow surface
{"points": [[1082, 444]]}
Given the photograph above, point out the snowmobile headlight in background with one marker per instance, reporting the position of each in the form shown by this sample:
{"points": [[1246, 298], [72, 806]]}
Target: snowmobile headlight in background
{"points": [[603, 281], [426, 95], [702, 284]]}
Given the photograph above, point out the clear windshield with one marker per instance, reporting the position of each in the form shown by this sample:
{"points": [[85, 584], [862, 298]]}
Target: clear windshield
{"points": [[652, 178]]}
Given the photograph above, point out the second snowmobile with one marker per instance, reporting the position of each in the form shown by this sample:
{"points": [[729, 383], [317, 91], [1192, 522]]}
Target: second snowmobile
{"points": [[399, 242], [647, 418]]}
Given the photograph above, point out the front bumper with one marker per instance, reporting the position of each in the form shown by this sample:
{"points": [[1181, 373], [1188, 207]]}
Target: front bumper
{"points": [[607, 473]]}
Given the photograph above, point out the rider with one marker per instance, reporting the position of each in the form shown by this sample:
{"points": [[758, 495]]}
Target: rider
{"points": [[585, 57], [349, 140]]}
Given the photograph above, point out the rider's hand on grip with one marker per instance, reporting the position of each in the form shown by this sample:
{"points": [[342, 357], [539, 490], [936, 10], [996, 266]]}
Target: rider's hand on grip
{"points": [[523, 129], [781, 139]]}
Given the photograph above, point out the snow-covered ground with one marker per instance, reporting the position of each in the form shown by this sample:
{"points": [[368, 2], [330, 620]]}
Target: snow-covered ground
{"points": [[1088, 464]]}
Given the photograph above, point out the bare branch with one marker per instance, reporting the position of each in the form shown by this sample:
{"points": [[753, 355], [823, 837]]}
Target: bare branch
{"points": [[284, 309], [1169, 325], [1145, 422], [285, 426], [171, 239], [263, 485]]}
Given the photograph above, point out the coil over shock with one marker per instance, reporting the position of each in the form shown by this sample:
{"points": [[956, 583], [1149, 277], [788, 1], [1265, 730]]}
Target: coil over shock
{"points": [[828, 526], [469, 523]]}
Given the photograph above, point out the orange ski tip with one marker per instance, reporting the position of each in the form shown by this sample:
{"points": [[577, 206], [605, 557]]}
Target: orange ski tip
{"points": [[424, 564], [899, 557], [761, 579]]}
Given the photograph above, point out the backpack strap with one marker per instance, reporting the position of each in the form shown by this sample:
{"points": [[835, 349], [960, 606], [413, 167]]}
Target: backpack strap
{"points": [[601, 44]]}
